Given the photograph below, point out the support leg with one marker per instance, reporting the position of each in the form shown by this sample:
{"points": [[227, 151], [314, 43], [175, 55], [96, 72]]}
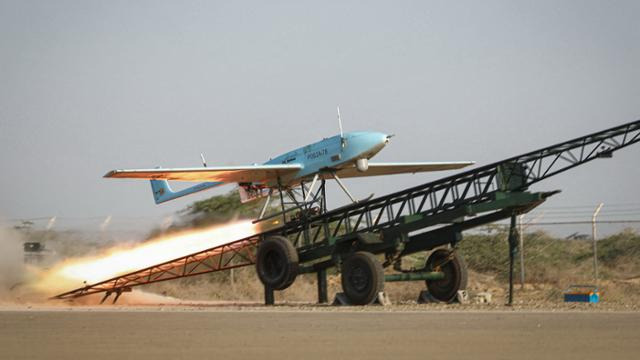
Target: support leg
{"points": [[118, 293], [322, 287], [266, 205], [106, 295], [309, 192], [513, 249], [268, 296], [323, 193], [344, 188], [294, 201], [284, 211]]}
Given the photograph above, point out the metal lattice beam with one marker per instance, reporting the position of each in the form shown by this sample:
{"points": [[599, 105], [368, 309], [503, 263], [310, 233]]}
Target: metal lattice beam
{"points": [[236, 254], [475, 186]]}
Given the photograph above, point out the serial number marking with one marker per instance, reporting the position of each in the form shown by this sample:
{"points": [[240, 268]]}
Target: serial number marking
{"points": [[317, 154]]}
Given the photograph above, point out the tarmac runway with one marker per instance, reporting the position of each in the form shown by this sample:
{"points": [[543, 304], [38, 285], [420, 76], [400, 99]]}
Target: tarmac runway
{"points": [[259, 333]]}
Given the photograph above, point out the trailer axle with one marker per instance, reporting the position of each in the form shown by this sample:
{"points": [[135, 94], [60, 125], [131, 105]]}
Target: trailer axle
{"points": [[415, 276]]}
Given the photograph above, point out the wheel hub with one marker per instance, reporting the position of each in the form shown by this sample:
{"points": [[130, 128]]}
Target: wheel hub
{"points": [[359, 278]]}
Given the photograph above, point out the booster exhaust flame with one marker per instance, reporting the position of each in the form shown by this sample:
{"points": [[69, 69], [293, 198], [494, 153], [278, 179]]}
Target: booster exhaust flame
{"points": [[124, 259]]}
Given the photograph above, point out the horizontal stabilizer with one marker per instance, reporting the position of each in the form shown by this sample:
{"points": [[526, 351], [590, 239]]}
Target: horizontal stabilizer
{"points": [[162, 191]]}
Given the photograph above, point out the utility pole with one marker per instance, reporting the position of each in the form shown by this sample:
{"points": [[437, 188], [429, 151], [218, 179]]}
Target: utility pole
{"points": [[521, 238], [594, 235]]}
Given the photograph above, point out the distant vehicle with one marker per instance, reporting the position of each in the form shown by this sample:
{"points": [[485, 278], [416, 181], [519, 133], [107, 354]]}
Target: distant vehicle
{"points": [[34, 252], [342, 156]]}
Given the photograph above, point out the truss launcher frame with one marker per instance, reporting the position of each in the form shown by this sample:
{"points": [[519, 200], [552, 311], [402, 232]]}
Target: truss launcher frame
{"points": [[491, 188]]}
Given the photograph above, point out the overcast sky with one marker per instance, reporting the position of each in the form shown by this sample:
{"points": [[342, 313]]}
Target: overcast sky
{"points": [[89, 86]]}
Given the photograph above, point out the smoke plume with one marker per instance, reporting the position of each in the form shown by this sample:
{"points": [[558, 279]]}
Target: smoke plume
{"points": [[12, 269]]}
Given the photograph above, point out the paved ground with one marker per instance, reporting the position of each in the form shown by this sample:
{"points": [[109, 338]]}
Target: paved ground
{"points": [[181, 333]]}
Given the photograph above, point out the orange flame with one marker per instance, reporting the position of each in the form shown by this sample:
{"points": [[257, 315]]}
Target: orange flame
{"points": [[121, 260]]}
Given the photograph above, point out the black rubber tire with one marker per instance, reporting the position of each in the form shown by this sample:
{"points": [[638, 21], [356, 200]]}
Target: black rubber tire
{"points": [[277, 263], [455, 272], [362, 278]]}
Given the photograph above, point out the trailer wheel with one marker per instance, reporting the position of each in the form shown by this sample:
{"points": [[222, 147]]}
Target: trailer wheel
{"points": [[455, 275], [277, 263], [362, 278]]}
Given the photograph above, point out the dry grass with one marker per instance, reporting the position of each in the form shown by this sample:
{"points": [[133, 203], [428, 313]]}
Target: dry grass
{"points": [[551, 265]]}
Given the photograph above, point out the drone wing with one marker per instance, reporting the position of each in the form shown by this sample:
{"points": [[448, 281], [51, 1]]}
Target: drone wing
{"points": [[227, 174], [376, 169]]}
